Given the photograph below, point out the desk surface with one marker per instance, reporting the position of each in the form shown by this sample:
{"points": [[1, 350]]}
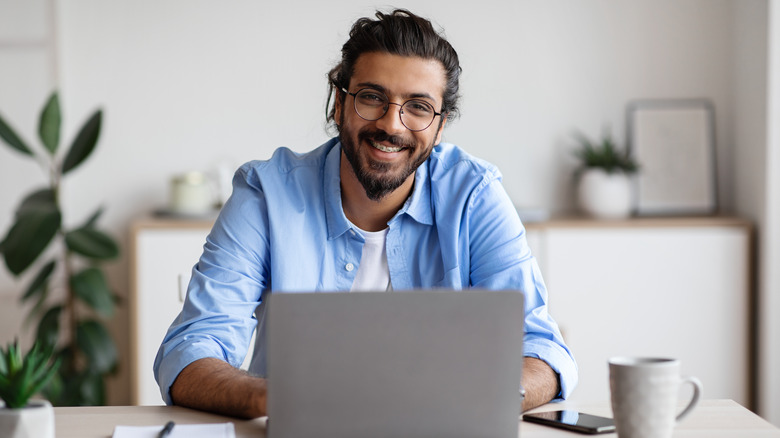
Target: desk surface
{"points": [[711, 419]]}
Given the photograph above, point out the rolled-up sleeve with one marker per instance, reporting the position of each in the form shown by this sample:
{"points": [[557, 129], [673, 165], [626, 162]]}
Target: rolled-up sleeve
{"points": [[500, 258], [217, 319]]}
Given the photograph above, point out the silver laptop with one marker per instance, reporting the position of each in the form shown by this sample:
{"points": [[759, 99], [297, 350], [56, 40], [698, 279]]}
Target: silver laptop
{"points": [[395, 364]]}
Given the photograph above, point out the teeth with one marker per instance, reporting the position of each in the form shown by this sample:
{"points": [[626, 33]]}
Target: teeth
{"points": [[385, 148]]}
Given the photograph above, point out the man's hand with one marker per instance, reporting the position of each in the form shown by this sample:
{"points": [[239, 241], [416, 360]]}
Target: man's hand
{"points": [[540, 383], [214, 385]]}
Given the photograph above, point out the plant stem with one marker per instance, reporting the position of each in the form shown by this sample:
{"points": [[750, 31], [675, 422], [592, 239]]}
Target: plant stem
{"points": [[71, 313], [70, 296], [54, 177]]}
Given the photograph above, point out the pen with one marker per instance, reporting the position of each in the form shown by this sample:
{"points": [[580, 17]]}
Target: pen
{"points": [[166, 430]]}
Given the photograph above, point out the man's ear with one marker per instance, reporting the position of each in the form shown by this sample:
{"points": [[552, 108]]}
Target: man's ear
{"points": [[441, 129]]}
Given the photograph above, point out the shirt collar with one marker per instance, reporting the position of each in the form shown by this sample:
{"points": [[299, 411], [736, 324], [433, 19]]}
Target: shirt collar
{"points": [[334, 212], [417, 206]]}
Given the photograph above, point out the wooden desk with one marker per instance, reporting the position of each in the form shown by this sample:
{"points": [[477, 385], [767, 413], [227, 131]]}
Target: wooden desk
{"points": [[711, 419]]}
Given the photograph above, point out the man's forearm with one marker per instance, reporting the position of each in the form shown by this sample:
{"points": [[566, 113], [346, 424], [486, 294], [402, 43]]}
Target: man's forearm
{"points": [[213, 385], [540, 383]]}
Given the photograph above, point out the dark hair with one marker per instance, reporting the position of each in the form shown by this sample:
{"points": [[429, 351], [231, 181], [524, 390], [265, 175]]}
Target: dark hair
{"points": [[398, 33]]}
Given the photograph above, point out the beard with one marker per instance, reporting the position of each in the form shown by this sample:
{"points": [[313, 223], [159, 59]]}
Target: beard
{"points": [[380, 178]]}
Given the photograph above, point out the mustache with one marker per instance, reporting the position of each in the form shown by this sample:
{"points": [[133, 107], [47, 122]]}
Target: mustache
{"points": [[379, 136]]}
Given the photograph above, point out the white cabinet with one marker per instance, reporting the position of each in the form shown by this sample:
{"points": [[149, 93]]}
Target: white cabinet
{"points": [[652, 287], [666, 287], [163, 254]]}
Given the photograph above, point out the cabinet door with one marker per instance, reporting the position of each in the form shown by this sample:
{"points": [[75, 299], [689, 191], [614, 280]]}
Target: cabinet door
{"points": [[679, 292], [164, 258]]}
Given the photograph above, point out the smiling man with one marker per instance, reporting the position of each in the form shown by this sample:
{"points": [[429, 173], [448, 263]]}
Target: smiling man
{"points": [[384, 206], [381, 154]]}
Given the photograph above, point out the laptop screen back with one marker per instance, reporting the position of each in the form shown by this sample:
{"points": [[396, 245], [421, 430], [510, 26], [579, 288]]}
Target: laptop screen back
{"points": [[410, 364]]}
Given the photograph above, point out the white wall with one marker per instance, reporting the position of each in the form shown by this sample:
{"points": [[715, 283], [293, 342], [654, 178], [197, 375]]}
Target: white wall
{"points": [[187, 84], [769, 279], [27, 74], [756, 158], [750, 119]]}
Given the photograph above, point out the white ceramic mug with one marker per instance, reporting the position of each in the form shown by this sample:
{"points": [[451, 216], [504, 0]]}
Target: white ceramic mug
{"points": [[644, 395]]}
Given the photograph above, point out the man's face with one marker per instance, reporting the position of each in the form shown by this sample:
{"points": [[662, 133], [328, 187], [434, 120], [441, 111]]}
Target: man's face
{"points": [[384, 153]]}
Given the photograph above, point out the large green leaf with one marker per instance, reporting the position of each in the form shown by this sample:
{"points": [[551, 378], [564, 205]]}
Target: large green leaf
{"points": [[92, 390], [28, 238], [49, 124], [84, 143], [37, 221], [91, 243], [40, 283], [54, 390], [96, 343], [34, 314], [91, 287], [39, 200], [76, 388], [49, 327], [12, 139], [90, 223]]}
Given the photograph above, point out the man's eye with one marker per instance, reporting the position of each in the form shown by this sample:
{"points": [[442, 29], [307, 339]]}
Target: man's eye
{"points": [[371, 98], [418, 107]]}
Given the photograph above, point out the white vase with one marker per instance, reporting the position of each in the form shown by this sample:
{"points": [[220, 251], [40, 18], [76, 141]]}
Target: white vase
{"points": [[36, 420], [605, 195]]}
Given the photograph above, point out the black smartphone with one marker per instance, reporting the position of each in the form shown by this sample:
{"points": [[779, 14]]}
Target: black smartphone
{"points": [[573, 420]]}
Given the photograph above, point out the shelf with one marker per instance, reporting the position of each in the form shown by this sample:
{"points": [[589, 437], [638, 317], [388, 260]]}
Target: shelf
{"points": [[641, 222]]}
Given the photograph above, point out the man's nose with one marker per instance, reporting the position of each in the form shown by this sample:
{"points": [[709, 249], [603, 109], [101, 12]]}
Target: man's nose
{"points": [[391, 121]]}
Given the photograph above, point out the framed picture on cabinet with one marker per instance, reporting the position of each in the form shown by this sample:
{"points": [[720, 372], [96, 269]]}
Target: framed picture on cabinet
{"points": [[673, 141]]}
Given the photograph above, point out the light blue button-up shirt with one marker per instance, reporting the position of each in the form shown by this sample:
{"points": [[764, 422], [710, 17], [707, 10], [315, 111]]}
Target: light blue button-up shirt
{"points": [[284, 230]]}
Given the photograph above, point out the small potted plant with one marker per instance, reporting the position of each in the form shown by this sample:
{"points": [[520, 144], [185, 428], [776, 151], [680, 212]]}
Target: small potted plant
{"points": [[604, 186], [21, 377]]}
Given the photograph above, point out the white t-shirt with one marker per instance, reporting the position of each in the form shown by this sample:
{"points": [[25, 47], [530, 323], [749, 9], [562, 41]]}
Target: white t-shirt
{"points": [[373, 274]]}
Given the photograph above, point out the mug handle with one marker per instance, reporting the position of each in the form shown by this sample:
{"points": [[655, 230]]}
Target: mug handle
{"points": [[694, 399]]}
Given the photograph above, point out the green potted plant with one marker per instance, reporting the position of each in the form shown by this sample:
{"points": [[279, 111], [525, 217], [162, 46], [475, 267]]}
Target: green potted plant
{"points": [[69, 294], [21, 377], [604, 177]]}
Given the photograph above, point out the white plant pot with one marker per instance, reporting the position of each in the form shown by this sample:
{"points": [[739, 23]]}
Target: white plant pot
{"points": [[605, 195], [36, 420]]}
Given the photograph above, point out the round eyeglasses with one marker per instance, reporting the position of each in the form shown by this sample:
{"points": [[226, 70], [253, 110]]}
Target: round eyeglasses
{"points": [[371, 105]]}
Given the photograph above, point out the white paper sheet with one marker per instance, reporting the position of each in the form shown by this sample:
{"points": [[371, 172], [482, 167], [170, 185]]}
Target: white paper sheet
{"points": [[213, 430]]}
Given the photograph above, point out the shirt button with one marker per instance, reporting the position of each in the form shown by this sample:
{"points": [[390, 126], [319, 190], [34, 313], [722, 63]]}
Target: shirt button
{"points": [[349, 267]]}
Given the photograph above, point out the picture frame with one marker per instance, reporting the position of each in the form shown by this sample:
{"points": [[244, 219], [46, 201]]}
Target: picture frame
{"points": [[673, 141]]}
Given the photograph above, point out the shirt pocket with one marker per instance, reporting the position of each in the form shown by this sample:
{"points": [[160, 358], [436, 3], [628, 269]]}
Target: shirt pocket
{"points": [[451, 280]]}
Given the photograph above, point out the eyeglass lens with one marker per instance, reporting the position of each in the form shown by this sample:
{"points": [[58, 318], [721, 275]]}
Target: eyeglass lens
{"points": [[372, 105]]}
